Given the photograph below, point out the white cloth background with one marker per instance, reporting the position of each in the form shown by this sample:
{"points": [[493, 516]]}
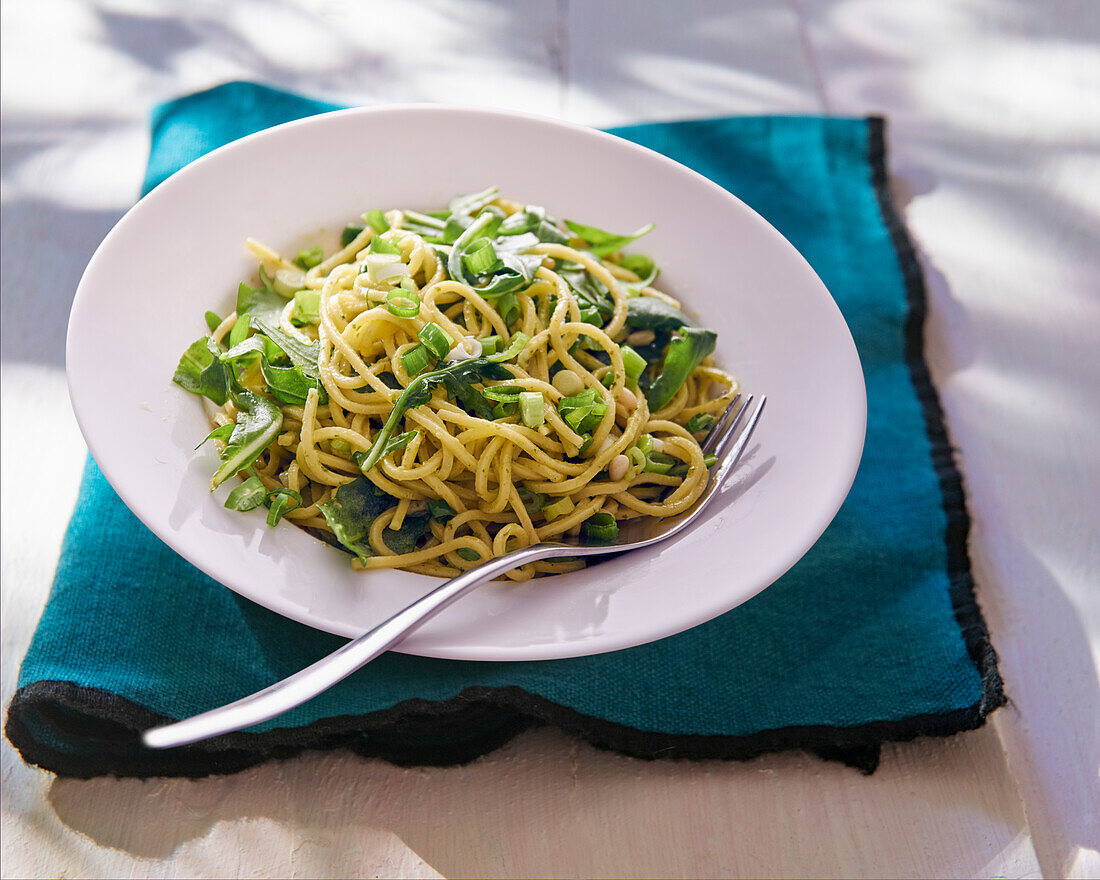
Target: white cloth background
{"points": [[995, 137]]}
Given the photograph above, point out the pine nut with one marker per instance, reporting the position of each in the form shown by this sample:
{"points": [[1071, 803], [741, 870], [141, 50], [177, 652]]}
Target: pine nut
{"points": [[627, 399], [640, 337], [568, 383], [618, 468]]}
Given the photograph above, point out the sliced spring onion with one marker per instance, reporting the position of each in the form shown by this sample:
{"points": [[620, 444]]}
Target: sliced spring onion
{"points": [[376, 220], [439, 509], [591, 315], [340, 447], [465, 349], [480, 260], [532, 408], [633, 363], [681, 469], [279, 502], [699, 422], [379, 245], [515, 346], [489, 345], [350, 233], [659, 463], [386, 267], [307, 258], [248, 495], [403, 303], [645, 443], [416, 360], [286, 281], [508, 308], [422, 220], [437, 339], [601, 527], [532, 501], [212, 321], [637, 461], [503, 393], [561, 507]]}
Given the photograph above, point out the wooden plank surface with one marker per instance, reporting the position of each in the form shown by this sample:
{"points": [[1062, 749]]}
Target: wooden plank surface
{"points": [[999, 166]]}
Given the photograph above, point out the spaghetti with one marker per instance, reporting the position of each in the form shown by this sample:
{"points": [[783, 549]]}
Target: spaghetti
{"points": [[444, 388]]}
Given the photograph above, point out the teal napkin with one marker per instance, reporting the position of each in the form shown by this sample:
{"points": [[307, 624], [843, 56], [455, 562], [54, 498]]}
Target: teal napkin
{"points": [[874, 636]]}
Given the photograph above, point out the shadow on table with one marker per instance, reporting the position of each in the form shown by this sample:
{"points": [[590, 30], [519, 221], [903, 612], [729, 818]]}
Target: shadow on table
{"points": [[44, 247], [547, 801]]}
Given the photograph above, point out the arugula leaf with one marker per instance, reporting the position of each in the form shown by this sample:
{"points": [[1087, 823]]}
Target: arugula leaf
{"points": [[305, 372], [458, 379], [350, 512], [653, 313], [258, 423], [391, 445], [288, 384], [685, 352], [213, 321], [588, 289], [201, 371], [221, 432], [413, 528], [307, 308], [641, 265], [353, 508], [603, 243], [265, 302]]}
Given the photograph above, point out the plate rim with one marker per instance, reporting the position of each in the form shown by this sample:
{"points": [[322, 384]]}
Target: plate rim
{"points": [[843, 479]]}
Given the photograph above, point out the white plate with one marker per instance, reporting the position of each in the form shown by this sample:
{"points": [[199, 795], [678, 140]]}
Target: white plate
{"points": [[180, 251]]}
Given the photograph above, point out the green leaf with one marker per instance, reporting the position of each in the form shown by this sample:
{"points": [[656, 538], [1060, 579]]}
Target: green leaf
{"points": [[653, 313], [307, 308], [350, 233], [201, 371], [439, 509], [289, 384], [641, 265], [258, 424], [212, 321], [240, 330], [353, 508], [350, 512], [458, 379], [221, 432], [265, 303], [603, 243], [405, 539], [685, 352], [301, 355]]}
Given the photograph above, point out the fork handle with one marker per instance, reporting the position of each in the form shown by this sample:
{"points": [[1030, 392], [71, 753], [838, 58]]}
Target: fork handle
{"points": [[304, 685]]}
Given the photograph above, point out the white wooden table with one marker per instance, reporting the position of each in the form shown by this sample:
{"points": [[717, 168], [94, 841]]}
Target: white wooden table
{"points": [[995, 133]]}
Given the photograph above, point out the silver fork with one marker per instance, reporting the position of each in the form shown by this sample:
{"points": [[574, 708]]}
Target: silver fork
{"points": [[724, 442]]}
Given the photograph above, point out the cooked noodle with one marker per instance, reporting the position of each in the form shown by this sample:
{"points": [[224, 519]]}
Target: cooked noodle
{"points": [[484, 469]]}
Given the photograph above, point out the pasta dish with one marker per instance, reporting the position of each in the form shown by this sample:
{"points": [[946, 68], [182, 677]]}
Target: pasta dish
{"points": [[441, 388]]}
